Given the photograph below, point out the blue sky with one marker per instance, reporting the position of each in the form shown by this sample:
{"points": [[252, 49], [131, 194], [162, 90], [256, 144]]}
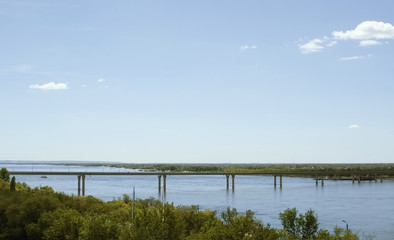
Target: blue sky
{"points": [[197, 81]]}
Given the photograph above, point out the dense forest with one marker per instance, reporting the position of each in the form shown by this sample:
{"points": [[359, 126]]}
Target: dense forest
{"points": [[41, 213]]}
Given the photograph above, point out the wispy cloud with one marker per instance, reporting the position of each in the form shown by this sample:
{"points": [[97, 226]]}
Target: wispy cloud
{"points": [[367, 32], [354, 57], [351, 58], [246, 47], [354, 126], [315, 45], [365, 43], [101, 80], [332, 43], [50, 86]]}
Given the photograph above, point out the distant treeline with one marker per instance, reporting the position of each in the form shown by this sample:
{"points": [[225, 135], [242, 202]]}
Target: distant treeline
{"points": [[284, 168], [41, 213]]}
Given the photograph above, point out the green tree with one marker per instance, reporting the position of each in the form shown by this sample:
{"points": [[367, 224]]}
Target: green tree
{"points": [[211, 226], [290, 222], [229, 215], [4, 175], [340, 233], [310, 225], [299, 225], [148, 223], [64, 224], [13, 184], [173, 224], [99, 227]]}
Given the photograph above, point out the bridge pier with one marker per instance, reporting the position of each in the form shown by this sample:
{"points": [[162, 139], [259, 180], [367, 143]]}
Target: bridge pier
{"points": [[164, 183], [359, 178], [83, 185], [159, 176], [275, 181], [232, 185], [353, 179], [280, 181], [79, 185], [227, 183], [317, 180]]}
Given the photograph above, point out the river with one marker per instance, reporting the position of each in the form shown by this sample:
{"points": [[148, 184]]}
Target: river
{"points": [[367, 207]]}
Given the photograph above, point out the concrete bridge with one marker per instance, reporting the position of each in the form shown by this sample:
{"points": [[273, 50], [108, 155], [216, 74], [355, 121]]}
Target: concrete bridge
{"points": [[360, 175]]}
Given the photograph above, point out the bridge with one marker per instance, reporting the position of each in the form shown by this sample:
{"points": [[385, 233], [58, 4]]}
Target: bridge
{"points": [[359, 175]]}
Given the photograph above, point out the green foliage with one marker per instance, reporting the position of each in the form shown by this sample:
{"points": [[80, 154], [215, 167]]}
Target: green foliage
{"points": [[12, 184], [65, 224], [299, 226], [290, 222], [126, 198], [229, 215], [41, 213], [310, 225], [306, 226], [340, 233], [4, 175]]}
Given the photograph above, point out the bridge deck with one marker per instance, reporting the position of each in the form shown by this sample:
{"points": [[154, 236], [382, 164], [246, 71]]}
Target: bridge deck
{"points": [[82, 175], [205, 173]]}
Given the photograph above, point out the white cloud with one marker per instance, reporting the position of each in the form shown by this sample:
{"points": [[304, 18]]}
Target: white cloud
{"points": [[314, 45], [246, 47], [354, 126], [365, 43], [50, 86], [351, 58], [101, 80], [367, 30], [331, 43]]}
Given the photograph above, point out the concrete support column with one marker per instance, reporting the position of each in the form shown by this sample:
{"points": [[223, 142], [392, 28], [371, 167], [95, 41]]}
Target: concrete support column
{"points": [[227, 183], [233, 185], [376, 179], [79, 185], [381, 178], [359, 178], [322, 180], [280, 181], [159, 176], [164, 183], [275, 181], [352, 178], [83, 185], [317, 181]]}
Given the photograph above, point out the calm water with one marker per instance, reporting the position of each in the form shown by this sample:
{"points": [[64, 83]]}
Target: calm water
{"points": [[367, 207]]}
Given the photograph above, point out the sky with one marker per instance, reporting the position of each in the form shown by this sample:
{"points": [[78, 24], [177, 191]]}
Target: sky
{"points": [[197, 81]]}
